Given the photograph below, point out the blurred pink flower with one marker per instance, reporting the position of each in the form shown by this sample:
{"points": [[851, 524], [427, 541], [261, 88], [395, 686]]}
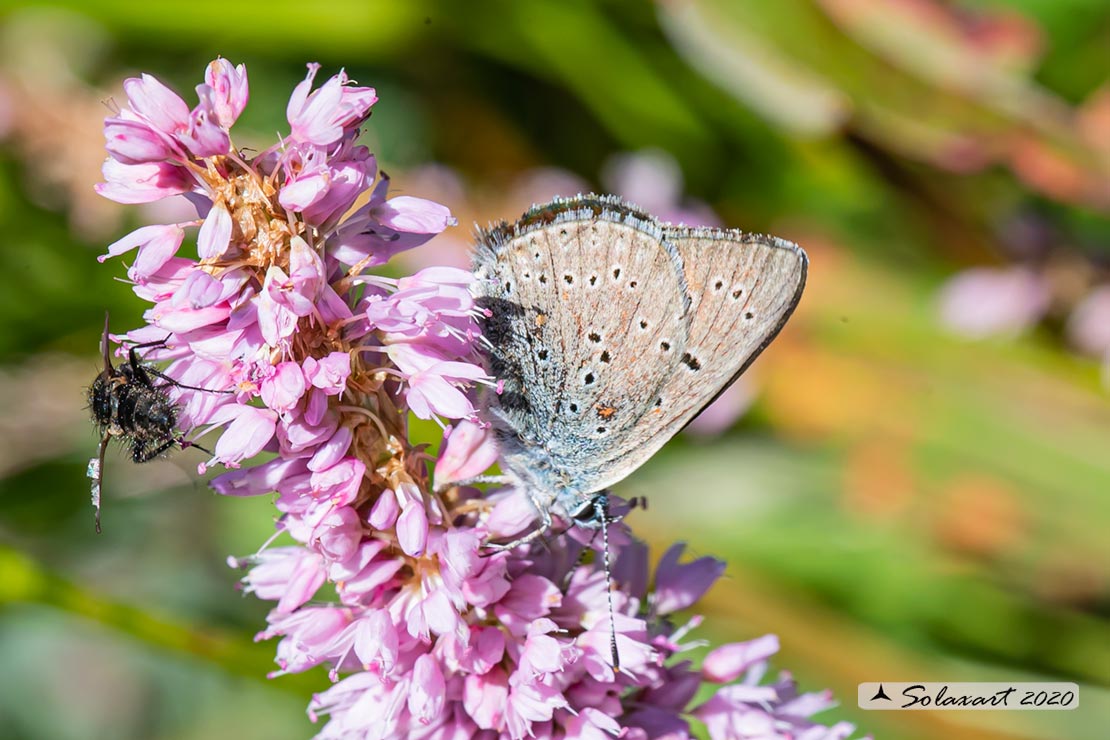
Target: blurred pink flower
{"points": [[1088, 327], [1089, 324], [652, 179], [983, 302], [386, 582]]}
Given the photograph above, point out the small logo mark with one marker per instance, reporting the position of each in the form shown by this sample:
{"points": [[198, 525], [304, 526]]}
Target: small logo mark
{"points": [[943, 695]]}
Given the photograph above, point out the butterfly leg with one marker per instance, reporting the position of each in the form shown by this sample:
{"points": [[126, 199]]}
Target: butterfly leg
{"points": [[500, 480], [545, 525]]}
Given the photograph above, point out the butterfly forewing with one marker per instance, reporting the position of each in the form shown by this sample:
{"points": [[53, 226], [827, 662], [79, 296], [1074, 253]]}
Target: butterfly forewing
{"points": [[742, 289], [593, 316]]}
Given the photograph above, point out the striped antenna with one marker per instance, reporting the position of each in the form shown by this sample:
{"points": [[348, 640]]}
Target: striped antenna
{"points": [[601, 509]]}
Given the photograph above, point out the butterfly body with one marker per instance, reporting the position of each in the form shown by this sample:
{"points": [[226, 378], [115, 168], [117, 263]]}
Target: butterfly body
{"points": [[611, 331]]}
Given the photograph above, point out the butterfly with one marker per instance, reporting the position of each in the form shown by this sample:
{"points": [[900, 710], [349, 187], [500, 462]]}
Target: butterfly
{"points": [[610, 332]]}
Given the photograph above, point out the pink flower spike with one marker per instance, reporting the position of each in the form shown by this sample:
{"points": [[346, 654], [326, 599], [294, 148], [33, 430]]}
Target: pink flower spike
{"points": [[382, 579], [679, 586], [215, 233], [230, 90], [728, 662]]}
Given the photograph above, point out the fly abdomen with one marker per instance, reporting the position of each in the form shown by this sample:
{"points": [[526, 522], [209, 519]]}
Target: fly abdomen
{"points": [[145, 412], [100, 401]]}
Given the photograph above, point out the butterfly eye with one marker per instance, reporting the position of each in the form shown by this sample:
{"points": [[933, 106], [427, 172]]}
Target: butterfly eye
{"points": [[586, 515]]}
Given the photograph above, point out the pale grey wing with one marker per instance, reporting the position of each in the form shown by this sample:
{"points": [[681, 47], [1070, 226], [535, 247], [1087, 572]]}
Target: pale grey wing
{"points": [[589, 323], [742, 289]]}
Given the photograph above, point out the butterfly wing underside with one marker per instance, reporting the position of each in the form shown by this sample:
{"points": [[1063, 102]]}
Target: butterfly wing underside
{"points": [[580, 307], [742, 288], [599, 375]]}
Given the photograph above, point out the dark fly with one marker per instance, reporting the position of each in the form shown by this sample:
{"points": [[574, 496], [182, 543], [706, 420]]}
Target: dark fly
{"points": [[131, 402]]}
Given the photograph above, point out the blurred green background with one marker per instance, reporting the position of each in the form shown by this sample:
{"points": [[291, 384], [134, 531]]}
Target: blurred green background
{"points": [[920, 486]]}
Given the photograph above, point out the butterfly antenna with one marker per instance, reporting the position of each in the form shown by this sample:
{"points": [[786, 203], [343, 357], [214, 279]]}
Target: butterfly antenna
{"points": [[601, 505]]}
